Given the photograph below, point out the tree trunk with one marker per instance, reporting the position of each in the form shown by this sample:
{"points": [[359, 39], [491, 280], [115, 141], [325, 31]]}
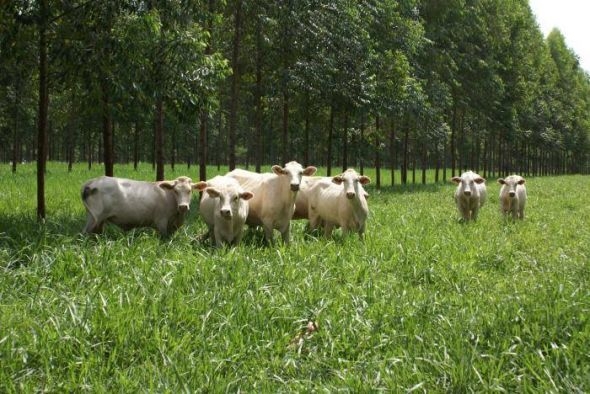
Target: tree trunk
{"points": [[233, 115], [16, 134], [392, 151], [159, 138], [43, 110], [258, 98], [107, 130], [136, 146], [345, 143], [330, 136], [377, 153]]}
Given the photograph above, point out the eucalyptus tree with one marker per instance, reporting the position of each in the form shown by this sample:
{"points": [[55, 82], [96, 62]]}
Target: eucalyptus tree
{"points": [[18, 69]]}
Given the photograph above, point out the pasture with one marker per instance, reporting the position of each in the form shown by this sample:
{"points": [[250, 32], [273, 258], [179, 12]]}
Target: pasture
{"points": [[424, 304]]}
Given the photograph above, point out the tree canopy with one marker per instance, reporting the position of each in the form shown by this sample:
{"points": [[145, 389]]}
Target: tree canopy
{"points": [[410, 85]]}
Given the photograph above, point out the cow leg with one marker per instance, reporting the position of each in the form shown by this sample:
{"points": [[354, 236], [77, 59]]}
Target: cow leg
{"points": [[162, 226], [328, 227], [268, 233], [90, 225], [285, 233]]}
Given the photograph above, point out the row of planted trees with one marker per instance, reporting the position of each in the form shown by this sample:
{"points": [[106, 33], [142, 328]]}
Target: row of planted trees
{"points": [[409, 85]]}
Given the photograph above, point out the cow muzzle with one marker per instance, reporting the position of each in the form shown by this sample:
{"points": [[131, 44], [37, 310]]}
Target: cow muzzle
{"points": [[467, 192], [512, 194], [294, 187], [350, 195], [225, 213], [183, 208]]}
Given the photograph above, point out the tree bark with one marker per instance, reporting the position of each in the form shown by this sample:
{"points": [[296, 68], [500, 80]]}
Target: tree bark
{"points": [[107, 129], [159, 138], [233, 116], [43, 110]]}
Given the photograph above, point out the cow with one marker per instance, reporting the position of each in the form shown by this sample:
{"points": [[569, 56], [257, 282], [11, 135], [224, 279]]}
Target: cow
{"points": [[470, 194], [224, 208], [340, 201], [129, 203], [513, 196], [273, 203]]}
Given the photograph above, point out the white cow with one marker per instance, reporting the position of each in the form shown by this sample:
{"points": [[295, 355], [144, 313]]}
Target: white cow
{"points": [[273, 203], [513, 196], [129, 203], [470, 194], [224, 208], [339, 201]]}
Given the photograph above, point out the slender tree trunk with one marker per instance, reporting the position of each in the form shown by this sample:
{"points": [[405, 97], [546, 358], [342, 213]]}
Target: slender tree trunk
{"points": [[306, 134], [258, 98], [16, 134], [362, 144], [345, 143], [107, 129], [392, 151], [159, 137], [330, 136], [377, 152], [202, 148], [405, 161], [233, 115], [43, 110], [453, 148], [136, 133]]}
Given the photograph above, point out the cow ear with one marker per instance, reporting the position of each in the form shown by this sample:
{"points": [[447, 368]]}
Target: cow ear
{"points": [[278, 170], [213, 192], [309, 171], [167, 184], [200, 186], [501, 181], [337, 179], [246, 195], [479, 180], [456, 179], [521, 181], [364, 180]]}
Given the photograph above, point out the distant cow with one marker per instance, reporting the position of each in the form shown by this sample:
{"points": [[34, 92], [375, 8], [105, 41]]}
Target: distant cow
{"points": [[273, 203], [224, 208], [340, 201], [470, 194], [513, 196], [128, 203]]}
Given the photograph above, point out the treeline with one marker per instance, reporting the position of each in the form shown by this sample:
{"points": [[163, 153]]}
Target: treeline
{"points": [[408, 85]]}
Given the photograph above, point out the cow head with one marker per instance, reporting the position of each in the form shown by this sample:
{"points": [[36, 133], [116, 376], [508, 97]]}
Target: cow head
{"points": [[294, 171], [352, 183], [182, 188], [511, 182], [467, 181], [229, 200]]}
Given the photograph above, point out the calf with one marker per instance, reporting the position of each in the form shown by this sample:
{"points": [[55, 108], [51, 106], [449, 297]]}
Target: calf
{"points": [[128, 203], [339, 201], [273, 203], [513, 196], [470, 194], [224, 208]]}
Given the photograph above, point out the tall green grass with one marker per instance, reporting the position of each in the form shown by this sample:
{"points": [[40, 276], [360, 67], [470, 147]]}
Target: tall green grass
{"points": [[424, 303]]}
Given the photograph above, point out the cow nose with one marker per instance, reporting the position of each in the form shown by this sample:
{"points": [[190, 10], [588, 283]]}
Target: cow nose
{"points": [[467, 192], [226, 213], [294, 187], [350, 195], [183, 208], [511, 194]]}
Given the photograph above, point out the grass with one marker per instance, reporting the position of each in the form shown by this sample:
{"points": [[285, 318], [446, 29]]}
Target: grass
{"points": [[424, 304]]}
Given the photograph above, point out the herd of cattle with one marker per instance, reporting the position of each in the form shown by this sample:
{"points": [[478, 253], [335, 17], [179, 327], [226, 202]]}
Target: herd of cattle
{"points": [[270, 200]]}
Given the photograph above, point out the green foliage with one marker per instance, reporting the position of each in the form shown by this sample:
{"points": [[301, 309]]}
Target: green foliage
{"points": [[424, 303]]}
